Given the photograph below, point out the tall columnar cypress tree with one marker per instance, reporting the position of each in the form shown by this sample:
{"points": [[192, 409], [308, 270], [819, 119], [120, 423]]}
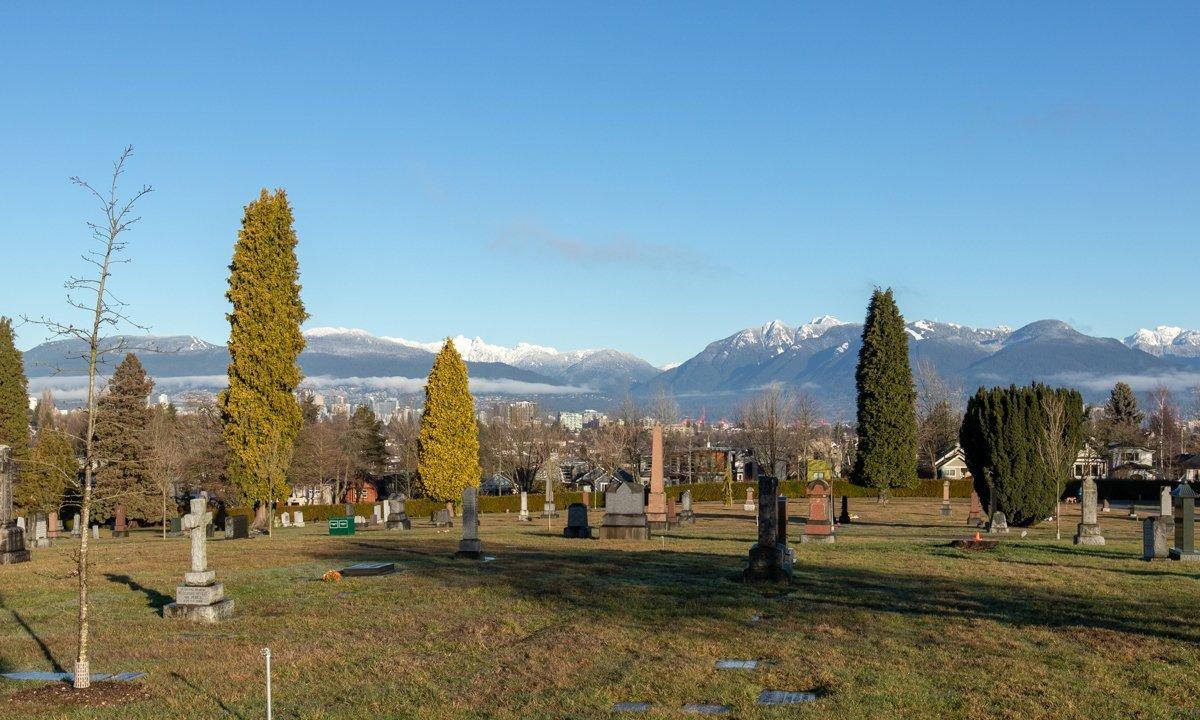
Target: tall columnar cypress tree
{"points": [[887, 421], [122, 449], [14, 396], [448, 443], [1002, 436], [259, 409]]}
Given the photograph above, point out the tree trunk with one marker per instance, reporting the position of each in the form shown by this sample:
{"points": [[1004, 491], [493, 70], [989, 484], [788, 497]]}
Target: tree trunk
{"points": [[260, 517]]}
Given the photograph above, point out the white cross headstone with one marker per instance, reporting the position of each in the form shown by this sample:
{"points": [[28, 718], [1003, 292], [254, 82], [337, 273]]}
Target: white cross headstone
{"points": [[194, 524]]}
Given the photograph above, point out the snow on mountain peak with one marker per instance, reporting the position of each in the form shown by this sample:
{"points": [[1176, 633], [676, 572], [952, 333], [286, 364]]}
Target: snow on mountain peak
{"points": [[1166, 340]]}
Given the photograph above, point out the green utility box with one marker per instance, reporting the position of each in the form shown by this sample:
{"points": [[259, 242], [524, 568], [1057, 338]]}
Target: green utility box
{"points": [[341, 526]]}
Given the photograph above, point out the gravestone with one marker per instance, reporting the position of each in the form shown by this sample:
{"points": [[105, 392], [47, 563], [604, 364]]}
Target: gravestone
{"points": [[348, 509], [672, 513], [237, 527], [1156, 537], [819, 527], [586, 492], [441, 518], [285, 519], [41, 532], [376, 515], [21, 523], [397, 518], [749, 504], [1088, 531], [95, 532], [200, 598], [524, 516], [768, 560], [299, 519], [1106, 505], [344, 525], [577, 522], [360, 521], [945, 498], [176, 528], [76, 528], [844, 518], [120, 529], [470, 546], [549, 475], [624, 513], [54, 526], [685, 510], [1164, 501], [781, 520], [998, 524], [1133, 513], [1184, 501], [975, 514], [656, 503], [12, 533]]}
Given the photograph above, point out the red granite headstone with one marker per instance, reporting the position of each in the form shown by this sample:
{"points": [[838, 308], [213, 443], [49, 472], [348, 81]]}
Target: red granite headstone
{"points": [[976, 512], [120, 529], [820, 521]]}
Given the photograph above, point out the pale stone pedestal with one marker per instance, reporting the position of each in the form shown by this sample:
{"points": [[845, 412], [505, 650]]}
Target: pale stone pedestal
{"points": [[1088, 534]]}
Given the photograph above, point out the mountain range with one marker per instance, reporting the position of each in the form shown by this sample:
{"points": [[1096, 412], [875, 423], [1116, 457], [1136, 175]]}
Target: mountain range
{"points": [[817, 358]]}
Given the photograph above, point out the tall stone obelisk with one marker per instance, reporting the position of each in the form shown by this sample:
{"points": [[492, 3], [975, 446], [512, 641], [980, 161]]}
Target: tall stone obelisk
{"points": [[12, 537], [656, 505]]}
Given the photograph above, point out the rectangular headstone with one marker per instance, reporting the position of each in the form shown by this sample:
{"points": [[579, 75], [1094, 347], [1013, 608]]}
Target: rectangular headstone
{"points": [[784, 697], [369, 569]]}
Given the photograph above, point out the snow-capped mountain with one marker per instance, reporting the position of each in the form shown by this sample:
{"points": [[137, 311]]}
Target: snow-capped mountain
{"points": [[1166, 340], [603, 370]]}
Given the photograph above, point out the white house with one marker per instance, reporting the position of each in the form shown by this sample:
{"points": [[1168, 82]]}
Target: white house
{"points": [[952, 465], [1090, 463], [1132, 462]]}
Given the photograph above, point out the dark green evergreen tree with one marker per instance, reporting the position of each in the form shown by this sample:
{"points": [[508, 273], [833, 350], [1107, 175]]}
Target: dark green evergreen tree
{"points": [[1004, 436], [367, 446], [887, 423], [14, 396], [1122, 407], [122, 445]]}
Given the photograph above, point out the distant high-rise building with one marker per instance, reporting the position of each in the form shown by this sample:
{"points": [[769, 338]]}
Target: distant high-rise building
{"points": [[163, 400], [572, 421]]}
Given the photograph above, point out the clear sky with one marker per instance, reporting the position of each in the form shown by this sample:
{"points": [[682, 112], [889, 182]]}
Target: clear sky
{"points": [[644, 176]]}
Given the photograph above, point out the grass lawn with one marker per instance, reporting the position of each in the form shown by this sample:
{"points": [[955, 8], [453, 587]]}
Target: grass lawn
{"points": [[888, 622]]}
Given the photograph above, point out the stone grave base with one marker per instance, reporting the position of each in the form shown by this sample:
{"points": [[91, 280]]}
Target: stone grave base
{"points": [[1177, 554], [625, 532], [14, 557], [583, 533], [658, 525], [770, 563], [120, 533], [200, 613], [369, 569], [829, 538], [404, 524], [41, 543], [972, 544], [470, 549], [945, 511], [12, 546], [1088, 535]]}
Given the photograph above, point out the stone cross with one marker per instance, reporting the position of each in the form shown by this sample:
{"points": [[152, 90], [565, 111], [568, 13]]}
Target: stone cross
{"points": [[194, 523]]}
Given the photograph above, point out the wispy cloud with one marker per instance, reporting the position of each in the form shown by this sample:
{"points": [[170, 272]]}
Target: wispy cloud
{"points": [[1181, 381], [533, 239]]}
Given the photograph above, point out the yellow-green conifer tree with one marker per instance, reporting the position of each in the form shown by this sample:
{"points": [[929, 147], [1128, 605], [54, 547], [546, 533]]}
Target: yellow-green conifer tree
{"points": [[259, 409], [448, 444]]}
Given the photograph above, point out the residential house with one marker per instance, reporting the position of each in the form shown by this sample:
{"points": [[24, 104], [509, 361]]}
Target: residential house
{"points": [[1131, 462], [952, 465], [1090, 463]]}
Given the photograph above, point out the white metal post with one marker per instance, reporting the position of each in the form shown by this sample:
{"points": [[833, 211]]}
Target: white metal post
{"points": [[266, 653]]}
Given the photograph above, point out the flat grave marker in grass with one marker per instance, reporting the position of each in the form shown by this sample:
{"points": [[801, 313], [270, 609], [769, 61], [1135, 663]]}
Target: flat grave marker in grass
{"points": [[785, 697], [369, 569], [706, 709], [631, 707], [737, 664]]}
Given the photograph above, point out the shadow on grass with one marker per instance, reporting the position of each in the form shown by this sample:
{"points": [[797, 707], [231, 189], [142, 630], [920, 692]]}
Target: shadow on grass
{"points": [[647, 586], [4, 664], [215, 699], [154, 599]]}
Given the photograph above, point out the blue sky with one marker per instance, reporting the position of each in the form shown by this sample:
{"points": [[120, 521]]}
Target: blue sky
{"points": [[644, 177]]}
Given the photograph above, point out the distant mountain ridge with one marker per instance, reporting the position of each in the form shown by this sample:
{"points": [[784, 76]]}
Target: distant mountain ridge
{"points": [[817, 357]]}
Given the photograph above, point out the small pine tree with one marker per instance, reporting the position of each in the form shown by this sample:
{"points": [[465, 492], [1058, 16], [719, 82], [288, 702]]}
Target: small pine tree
{"points": [[122, 445], [367, 446], [50, 474], [448, 443], [887, 422], [260, 414], [14, 396]]}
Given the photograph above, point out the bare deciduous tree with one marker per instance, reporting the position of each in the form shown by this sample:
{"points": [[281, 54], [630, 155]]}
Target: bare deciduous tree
{"points": [[92, 294]]}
